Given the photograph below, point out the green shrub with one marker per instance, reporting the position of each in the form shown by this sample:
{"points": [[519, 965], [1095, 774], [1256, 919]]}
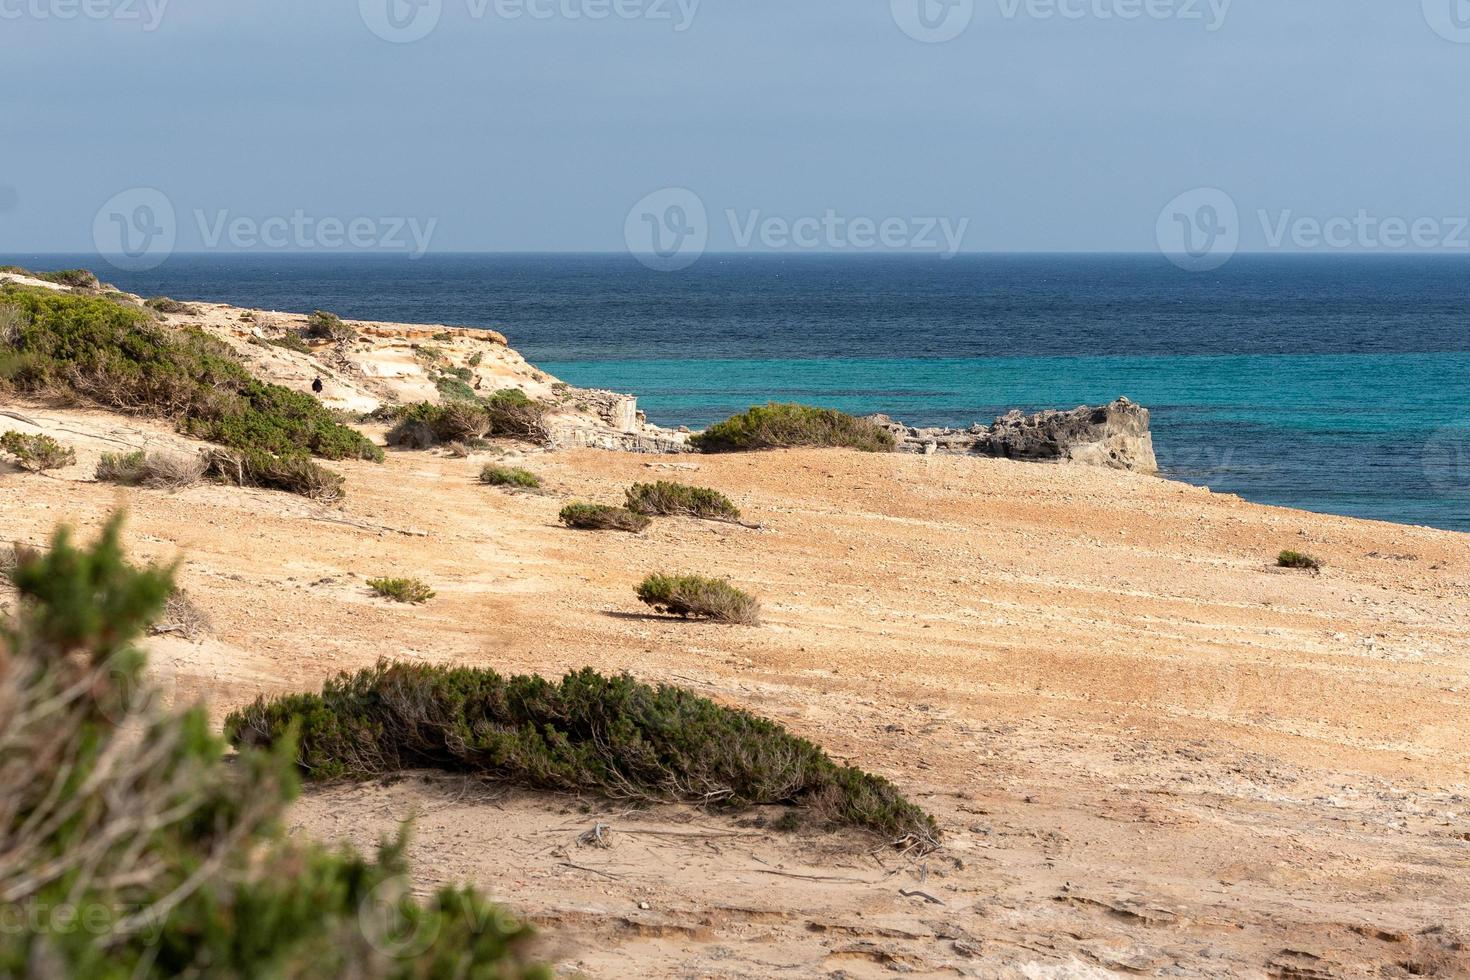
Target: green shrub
{"points": [[677, 500], [474, 360], [169, 471], [165, 305], [453, 388], [600, 517], [1295, 559], [118, 356], [329, 326], [37, 452], [588, 733], [291, 341], [506, 415], [409, 590], [780, 426], [289, 474], [130, 847], [444, 336], [696, 597], [75, 278], [510, 476]]}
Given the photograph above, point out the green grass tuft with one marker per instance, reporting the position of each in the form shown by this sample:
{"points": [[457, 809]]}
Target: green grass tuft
{"points": [[782, 426], [694, 596], [587, 733]]}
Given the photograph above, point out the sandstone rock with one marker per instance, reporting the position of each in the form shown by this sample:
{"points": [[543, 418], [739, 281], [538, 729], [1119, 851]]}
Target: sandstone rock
{"points": [[1115, 436]]}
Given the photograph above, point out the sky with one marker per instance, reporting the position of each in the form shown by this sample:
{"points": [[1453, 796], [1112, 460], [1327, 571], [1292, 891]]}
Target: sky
{"points": [[540, 125]]}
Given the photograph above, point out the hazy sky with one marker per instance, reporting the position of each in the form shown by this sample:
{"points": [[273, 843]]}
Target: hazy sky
{"points": [[1045, 125]]}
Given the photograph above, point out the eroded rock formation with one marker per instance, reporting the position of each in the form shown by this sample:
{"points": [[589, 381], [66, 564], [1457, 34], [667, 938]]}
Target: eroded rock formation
{"points": [[1115, 436]]}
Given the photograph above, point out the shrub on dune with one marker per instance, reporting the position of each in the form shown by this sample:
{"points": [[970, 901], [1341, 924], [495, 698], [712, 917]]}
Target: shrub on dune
{"points": [[678, 500], [290, 474], [130, 847], [601, 517], [322, 325], [37, 452], [167, 471], [694, 596], [510, 476], [1297, 560], [587, 733], [506, 414], [783, 426], [87, 348], [408, 590]]}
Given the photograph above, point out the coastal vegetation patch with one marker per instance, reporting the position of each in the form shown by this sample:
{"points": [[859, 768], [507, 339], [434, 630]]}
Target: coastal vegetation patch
{"points": [[1297, 560], [586, 733], [90, 349], [157, 470], [37, 452], [602, 517], [508, 414], [126, 812], [679, 500], [510, 476], [409, 590], [322, 325], [785, 426], [697, 597], [162, 304]]}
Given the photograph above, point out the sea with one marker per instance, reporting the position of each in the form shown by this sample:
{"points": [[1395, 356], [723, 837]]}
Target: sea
{"points": [[1330, 383]]}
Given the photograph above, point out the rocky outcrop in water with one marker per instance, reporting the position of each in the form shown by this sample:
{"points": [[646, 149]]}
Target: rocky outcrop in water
{"points": [[1115, 436]]}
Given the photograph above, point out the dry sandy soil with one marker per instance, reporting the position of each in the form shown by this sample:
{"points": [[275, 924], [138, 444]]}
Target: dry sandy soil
{"points": [[1151, 752]]}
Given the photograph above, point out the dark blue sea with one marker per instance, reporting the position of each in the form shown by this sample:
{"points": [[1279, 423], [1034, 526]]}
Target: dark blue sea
{"points": [[1338, 384]]}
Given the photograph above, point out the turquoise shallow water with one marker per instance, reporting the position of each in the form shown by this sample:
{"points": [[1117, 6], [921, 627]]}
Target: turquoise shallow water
{"points": [[1377, 436]]}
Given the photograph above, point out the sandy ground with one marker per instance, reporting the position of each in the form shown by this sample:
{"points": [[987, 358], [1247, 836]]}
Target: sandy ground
{"points": [[1151, 752]]}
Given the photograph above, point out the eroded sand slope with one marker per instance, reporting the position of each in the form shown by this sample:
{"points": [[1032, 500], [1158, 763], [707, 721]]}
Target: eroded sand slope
{"points": [[1151, 752]]}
